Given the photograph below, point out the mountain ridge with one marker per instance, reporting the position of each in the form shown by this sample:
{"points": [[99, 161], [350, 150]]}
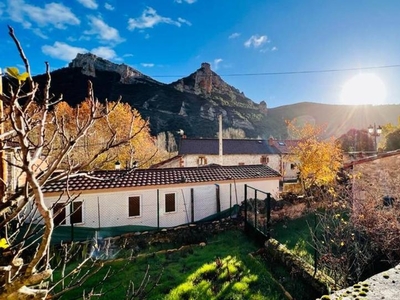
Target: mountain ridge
{"points": [[193, 103]]}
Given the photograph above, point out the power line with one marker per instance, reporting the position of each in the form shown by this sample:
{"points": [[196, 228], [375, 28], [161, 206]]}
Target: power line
{"points": [[293, 72]]}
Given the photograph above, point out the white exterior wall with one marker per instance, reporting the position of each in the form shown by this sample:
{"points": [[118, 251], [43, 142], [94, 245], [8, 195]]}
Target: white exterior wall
{"points": [[110, 209], [234, 160]]}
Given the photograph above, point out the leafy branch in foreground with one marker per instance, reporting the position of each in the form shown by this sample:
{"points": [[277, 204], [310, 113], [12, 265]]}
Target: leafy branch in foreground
{"points": [[42, 147]]}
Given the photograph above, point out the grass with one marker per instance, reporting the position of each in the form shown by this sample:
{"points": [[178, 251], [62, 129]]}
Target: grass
{"points": [[223, 269], [296, 235]]}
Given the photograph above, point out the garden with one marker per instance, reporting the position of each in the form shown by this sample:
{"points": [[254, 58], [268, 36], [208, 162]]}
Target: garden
{"points": [[225, 266]]}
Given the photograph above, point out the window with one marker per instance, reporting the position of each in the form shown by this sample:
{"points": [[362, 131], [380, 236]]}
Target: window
{"points": [[202, 160], [292, 166], [59, 214], [170, 205], [134, 206], [264, 159], [64, 213], [77, 212]]}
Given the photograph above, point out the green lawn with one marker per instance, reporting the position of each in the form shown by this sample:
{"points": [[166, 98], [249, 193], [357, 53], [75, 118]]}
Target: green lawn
{"points": [[296, 235], [223, 269]]}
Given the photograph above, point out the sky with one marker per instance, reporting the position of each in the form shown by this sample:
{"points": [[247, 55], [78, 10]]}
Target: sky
{"points": [[278, 51]]}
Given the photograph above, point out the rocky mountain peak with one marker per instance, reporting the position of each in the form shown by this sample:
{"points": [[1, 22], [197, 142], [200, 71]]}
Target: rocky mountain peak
{"points": [[90, 63], [204, 82]]}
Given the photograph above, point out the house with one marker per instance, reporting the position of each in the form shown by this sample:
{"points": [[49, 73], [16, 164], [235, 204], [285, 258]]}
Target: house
{"points": [[201, 152], [288, 167], [154, 198], [376, 175]]}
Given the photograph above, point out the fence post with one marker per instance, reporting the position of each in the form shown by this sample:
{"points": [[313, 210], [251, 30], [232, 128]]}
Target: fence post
{"points": [[158, 209], [268, 205], [230, 200], [255, 209], [245, 208], [192, 203]]}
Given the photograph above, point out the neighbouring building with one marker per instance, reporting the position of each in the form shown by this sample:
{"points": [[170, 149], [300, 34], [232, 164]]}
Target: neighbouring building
{"points": [[376, 175], [201, 152]]}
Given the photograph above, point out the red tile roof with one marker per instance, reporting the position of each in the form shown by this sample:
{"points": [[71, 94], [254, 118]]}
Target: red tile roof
{"points": [[151, 177], [371, 158]]}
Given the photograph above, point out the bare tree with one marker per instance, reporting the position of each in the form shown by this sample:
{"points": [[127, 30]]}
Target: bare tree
{"points": [[39, 151]]}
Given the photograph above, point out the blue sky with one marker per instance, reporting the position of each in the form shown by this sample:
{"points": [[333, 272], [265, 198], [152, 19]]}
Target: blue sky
{"points": [[244, 41]]}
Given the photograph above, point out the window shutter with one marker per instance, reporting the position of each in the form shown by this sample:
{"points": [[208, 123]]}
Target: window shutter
{"points": [[170, 202], [134, 206], [59, 214], [77, 212]]}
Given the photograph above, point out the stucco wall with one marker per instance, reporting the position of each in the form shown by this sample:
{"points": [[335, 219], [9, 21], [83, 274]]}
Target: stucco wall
{"points": [[234, 160]]}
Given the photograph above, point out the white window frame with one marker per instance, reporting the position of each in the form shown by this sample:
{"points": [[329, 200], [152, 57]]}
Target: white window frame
{"points": [[140, 206]]}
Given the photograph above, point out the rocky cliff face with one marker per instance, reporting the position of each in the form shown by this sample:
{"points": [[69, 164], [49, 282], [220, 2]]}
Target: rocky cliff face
{"points": [[194, 103], [90, 63], [222, 99], [206, 82]]}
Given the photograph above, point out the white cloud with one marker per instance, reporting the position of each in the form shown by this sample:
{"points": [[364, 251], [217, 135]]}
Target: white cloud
{"points": [[55, 14], [128, 55], [108, 6], [216, 63], [183, 21], [274, 49], [147, 65], [234, 35], [150, 18], [67, 52], [102, 30], [91, 4], [62, 51], [2, 6], [104, 52], [40, 33], [256, 41], [187, 1]]}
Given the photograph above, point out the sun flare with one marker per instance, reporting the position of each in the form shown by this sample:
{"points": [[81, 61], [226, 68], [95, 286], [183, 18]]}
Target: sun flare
{"points": [[364, 88]]}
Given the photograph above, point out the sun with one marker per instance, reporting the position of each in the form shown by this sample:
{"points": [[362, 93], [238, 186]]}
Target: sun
{"points": [[364, 88]]}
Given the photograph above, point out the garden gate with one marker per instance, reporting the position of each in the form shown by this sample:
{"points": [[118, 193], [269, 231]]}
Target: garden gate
{"points": [[257, 213]]}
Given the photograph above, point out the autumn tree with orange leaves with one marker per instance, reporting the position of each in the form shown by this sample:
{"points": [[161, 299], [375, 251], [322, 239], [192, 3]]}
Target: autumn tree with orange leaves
{"points": [[122, 121]]}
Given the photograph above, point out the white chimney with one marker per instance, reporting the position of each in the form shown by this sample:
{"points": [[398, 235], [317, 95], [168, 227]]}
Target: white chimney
{"points": [[221, 160]]}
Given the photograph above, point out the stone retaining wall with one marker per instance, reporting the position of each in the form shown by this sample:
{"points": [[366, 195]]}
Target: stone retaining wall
{"points": [[298, 267]]}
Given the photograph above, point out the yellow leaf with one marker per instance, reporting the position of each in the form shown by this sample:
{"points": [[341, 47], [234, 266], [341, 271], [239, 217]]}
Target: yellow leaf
{"points": [[23, 76], [14, 72], [4, 244]]}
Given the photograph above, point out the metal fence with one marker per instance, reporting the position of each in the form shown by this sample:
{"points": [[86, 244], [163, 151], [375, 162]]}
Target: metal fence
{"points": [[257, 212]]}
